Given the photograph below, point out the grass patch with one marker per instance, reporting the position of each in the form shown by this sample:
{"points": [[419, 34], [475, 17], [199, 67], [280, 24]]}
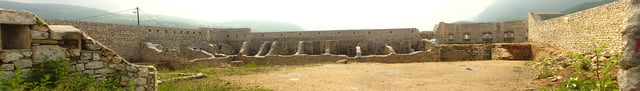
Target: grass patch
{"points": [[213, 81], [57, 76], [593, 71]]}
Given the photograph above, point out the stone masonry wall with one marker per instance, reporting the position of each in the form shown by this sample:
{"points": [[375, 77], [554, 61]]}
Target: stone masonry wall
{"points": [[474, 33], [573, 31], [127, 39]]}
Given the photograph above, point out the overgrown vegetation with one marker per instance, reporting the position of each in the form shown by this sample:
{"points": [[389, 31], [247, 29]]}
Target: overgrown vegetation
{"points": [[213, 82], [57, 76], [593, 71]]}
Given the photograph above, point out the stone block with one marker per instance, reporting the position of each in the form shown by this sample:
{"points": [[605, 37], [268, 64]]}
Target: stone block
{"points": [[12, 56], [23, 63], [39, 35], [140, 88], [111, 66], [17, 17], [95, 65], [46, 42], [140, 81], [89, 71], [59, 32], [48, 52], [93, 47], [74, 52], [7, 74], [96, 56], [80, 67], [8, 67], [105, 71], [120, 67], [132, 68], [116, 60], [86, 55], [43, 28], [83, 61], [27, 54], [143, 74]]}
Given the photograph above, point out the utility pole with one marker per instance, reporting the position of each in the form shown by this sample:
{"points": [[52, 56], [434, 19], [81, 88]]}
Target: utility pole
{"points": [[138, 15]]}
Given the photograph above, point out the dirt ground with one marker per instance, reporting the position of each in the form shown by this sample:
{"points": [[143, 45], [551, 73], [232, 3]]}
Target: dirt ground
{"points": [[432, 76]]}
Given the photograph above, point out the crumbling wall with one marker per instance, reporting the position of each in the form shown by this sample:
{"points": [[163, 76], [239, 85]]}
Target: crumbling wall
{"points": [[459, 52], [127, 39], [571, 32], [511, 52]]}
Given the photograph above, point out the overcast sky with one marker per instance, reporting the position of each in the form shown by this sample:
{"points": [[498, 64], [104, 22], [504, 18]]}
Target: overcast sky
{"points": [[309, 14]]}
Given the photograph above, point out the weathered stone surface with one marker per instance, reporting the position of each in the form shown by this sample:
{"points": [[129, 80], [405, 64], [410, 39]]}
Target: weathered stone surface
{"points": [[132, 68], [48, 52], [40, 35], [140, 88], [629, 78], [43, 28], [96, 56], [46, 42], [93, 47], [105, 71], [95, 65], [59, 32], [7, 67], [17, 17], [86, 55], [111, 66], [143, 74], [74, 52], [7, 74], [27, 54], [80, 67], [116, 60], [89, 71], [84, 61], [120, 67], [12, 56], [23, 63], [140, 81]]}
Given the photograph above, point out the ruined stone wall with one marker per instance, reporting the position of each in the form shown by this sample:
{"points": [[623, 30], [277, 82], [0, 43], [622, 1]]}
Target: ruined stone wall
{"points": [[497, 51], [127, 39], [475, 33], [85, 54], [571, 32], [460, 52]]}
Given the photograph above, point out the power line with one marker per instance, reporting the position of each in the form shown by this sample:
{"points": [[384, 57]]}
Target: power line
{"points": [[101, 15], [152, 19]]}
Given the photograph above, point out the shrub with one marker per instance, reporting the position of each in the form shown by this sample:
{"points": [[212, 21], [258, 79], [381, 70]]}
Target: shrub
{"points": [[57, 76]]}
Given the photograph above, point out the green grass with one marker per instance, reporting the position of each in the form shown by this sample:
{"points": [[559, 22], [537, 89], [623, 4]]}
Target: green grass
{"points": [[213, 81]]}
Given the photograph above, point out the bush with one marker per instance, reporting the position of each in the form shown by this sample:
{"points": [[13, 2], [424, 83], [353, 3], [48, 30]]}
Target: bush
{"points": [[57, 76], [593, 71]]}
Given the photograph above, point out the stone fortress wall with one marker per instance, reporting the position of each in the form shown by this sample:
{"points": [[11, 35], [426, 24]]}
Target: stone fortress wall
{"points": [[211, 46], [26, 43], [573, 31], [501, 32]]}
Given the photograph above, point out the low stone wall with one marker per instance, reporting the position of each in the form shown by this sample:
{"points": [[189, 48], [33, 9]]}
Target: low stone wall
{"points": [[420, 56], [459, 52], [499, 51]]}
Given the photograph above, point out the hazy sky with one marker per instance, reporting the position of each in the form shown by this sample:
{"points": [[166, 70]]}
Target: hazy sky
{"points": [[309, 14]]}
